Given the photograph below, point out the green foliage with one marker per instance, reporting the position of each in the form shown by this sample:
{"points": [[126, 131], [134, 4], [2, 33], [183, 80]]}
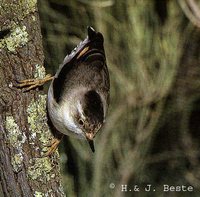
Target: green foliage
{"points": [[148, 137]]}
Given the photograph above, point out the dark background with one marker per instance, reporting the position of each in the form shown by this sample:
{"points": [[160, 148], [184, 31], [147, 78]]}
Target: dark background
{"points": [[152, 131]]}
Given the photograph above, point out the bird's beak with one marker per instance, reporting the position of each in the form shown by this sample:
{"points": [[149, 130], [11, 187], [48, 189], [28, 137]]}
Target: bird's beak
{"points": [[89, 137]]}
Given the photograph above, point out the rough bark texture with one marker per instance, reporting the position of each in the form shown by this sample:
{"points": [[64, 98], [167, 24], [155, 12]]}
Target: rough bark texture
{"points": [[24, 132]]}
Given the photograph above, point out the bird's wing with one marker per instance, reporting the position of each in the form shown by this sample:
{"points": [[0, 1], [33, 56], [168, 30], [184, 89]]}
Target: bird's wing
{"points": [[92, 44], [65, 68]]}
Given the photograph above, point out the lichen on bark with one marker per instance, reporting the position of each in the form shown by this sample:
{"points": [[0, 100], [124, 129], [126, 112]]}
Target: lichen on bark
{"points": [[18, 35], [17, 38], [40, 169], [38, 194], [23, 8], [37, 119], [16, 140], [39, 71]]}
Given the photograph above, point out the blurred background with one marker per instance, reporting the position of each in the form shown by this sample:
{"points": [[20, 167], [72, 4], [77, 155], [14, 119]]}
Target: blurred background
{"points": [[152, 131]]}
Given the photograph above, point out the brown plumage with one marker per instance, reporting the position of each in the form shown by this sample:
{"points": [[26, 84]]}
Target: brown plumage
{"points": [[78, 96]]}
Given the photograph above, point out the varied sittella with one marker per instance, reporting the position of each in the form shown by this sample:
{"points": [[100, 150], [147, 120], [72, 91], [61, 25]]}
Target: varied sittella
{"points": [[78, 96]]}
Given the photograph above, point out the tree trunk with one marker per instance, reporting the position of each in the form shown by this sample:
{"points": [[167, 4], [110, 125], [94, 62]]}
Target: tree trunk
{"points": [[24, 132]]}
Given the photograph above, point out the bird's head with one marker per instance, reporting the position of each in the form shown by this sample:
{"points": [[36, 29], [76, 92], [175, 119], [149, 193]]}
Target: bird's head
{"points": [[87, 115]]}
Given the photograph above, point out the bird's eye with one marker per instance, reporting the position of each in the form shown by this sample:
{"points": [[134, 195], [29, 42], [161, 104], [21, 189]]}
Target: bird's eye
{"points": [[80, 122]]}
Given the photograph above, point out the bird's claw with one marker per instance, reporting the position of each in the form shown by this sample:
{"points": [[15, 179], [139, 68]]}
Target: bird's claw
{"points": [[29, 84], [52, 147]]}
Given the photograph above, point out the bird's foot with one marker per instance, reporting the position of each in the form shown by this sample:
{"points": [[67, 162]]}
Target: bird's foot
{"points": [[29, 84], [53, 146]]}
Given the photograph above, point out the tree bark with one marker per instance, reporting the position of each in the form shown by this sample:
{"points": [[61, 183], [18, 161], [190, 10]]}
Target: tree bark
{"points": [[24, 132]]}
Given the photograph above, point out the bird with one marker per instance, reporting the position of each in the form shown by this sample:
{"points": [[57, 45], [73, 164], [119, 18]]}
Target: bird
{"points": [[79, 93]]}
